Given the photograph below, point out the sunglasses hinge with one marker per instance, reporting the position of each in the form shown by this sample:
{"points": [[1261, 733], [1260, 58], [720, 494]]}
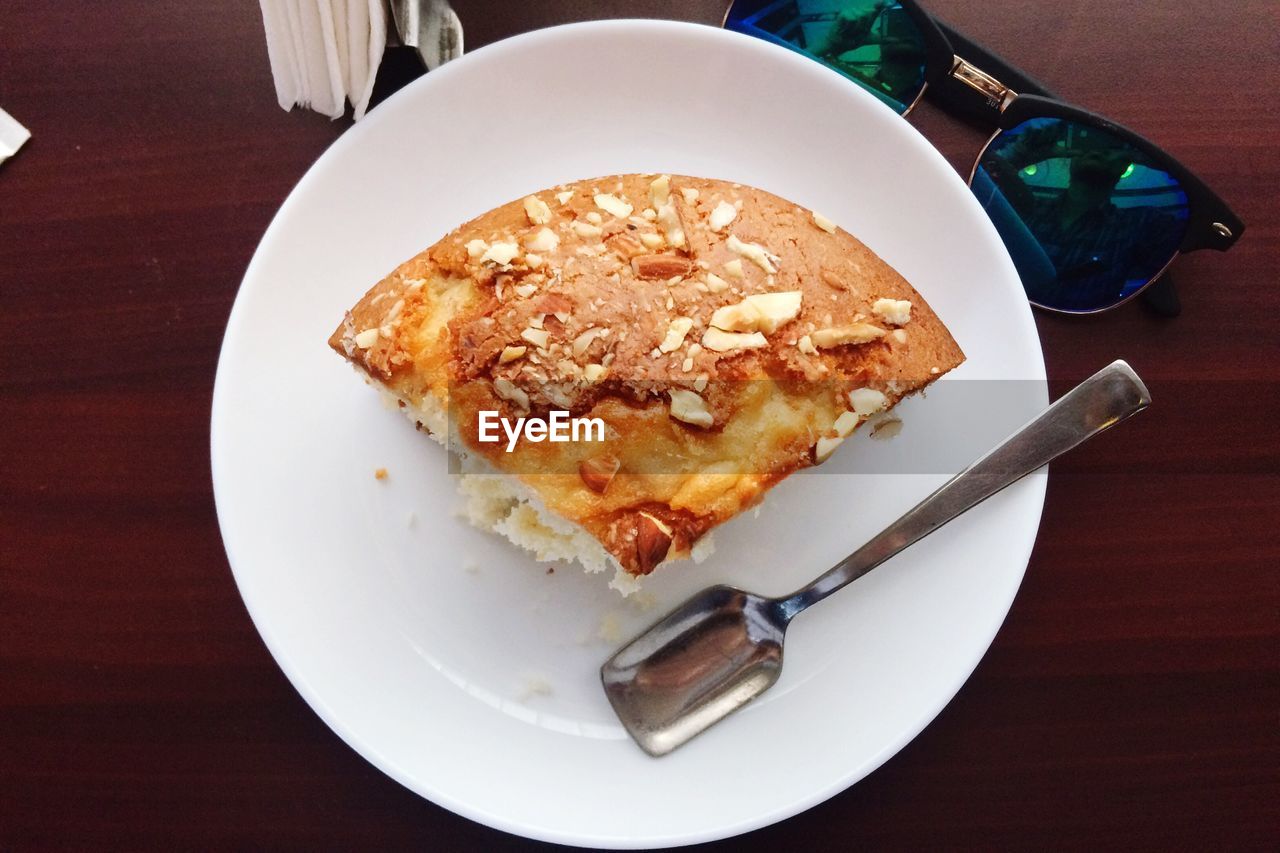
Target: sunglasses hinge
{"points": [[998, 95]]}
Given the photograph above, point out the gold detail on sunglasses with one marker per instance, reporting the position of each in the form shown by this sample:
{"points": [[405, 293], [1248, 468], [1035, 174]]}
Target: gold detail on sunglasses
{"points": [[998, 94], [1222, 230]]}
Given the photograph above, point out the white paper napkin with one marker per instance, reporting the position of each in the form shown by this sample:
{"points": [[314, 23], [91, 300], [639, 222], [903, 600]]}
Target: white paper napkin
{"points": [[325, 52], [12, 135]]}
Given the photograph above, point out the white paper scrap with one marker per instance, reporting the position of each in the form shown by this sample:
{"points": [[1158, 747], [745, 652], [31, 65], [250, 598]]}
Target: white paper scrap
{"points": [[324, 53], [12, 135]]}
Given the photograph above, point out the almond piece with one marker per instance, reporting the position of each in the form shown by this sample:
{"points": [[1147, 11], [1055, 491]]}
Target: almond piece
{"points": [[805, 345], [867, 401], [845, 424], [823, 223], [537, 337], [838, 336], [716, 284], [545, 240], [775, 309], [595, 372], [895, 312], [754, 252], [598, 472], [661, 266], [678, 328], [586, 230], [739, 317], [500, 253], [367, 338], [625, 245], [824, 448], [652, 240], [537, 211], [733, 268], [660, 190], [719, 340], [721, 216], [476, 248], [689, 407], [613, 205], [653, 540], [563, 197], [583, 341], [511, 354]]}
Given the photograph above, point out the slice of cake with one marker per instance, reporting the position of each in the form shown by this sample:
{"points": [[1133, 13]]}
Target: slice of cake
{"points": [[708, 337]]}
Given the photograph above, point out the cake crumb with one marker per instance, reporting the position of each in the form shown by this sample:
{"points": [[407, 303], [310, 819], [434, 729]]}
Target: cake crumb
{"points": [[610, 628], [380, 474], [535, 684], [886, 428]]}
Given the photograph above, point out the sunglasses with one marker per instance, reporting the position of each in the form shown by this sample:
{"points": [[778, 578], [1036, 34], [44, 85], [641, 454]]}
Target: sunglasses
{"points": [[1092, 213]]}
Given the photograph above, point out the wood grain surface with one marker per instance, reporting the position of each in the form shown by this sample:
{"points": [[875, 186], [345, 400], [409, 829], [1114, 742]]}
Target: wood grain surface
{"points": [[1131, 700]]}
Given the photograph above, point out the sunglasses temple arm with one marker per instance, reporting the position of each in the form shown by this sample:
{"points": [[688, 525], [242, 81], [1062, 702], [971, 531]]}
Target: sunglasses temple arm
{"points": [[1161, 296]]}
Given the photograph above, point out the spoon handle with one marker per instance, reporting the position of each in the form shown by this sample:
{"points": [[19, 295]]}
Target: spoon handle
{"points": [[1099, 403]]}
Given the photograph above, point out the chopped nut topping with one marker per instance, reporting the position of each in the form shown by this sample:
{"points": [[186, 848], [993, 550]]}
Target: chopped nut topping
{"points": [[476, 247], [721, 216], [652, 240], [537, 337], [583, 341], [653, 540], [676, 330], [838, 336], [598, 472], [367, 338], [672, 229], [587, 230], [511, 354], [805, 345], [649, 213], [719, 340], [867, 401], [895, 312], [500, 253], [900, 335], [740, 317], [660, 191], [613, 205], [537, 211], [594, 218], [594, 372], [563, 197], [845, 424], [688, 407], [507, 390], [754, 252], [700, 384], [716, 284], [626, 245], [824, 223], [663, 267], [733, 269], [825, 447], [545, 240], [775, 309], [690, 194]]}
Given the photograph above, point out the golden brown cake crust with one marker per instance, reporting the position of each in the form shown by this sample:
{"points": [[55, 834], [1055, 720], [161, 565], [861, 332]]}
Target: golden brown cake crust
{"points": [[636, 299]]}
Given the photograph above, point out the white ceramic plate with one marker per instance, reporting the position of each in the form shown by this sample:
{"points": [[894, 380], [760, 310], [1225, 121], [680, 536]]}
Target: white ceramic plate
{"points": [[361, 588]]}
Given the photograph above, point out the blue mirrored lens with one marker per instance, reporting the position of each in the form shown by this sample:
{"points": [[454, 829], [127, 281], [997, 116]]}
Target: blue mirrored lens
{"points": [[872, 42], [1087, 217]]}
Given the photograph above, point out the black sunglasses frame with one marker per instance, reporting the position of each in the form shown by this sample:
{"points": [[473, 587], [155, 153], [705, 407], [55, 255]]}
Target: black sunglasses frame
{"points": [[973, 83]]}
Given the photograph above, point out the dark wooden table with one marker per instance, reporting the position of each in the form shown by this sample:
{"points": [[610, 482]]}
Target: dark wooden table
{"points": [[1132, 698]]}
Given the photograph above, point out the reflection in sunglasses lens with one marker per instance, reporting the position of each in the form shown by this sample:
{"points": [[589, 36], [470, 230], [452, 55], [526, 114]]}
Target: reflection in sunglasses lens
{"points": [[1087, 217], [872, 42]]}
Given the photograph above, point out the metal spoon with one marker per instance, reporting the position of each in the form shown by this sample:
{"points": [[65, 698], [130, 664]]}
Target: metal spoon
{"points": [[723, 647]]}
